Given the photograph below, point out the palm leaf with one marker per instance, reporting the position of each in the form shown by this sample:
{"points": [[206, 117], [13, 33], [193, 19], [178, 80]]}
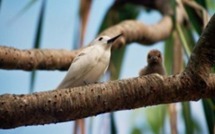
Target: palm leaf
{"points": [[187, 116], [37, 41], [210, 4], [136, 131], [195, 20], [156, 118], [203, 3], [168, 54], [198, 15], [209, 112], [189, 37], [183, 40]]}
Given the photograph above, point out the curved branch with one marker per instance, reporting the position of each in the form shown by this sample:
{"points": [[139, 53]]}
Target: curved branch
{"points": [[50, 59], [136, 31], [203, 56]]}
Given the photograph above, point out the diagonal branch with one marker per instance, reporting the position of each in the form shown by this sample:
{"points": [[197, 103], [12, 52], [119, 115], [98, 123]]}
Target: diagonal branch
{"points": [[74, 103]]}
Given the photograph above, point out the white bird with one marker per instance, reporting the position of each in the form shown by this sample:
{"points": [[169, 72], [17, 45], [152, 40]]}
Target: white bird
{"points": [[90, 64]]}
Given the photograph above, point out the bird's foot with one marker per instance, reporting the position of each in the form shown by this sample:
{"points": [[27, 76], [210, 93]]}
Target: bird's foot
{"points": [[86, 83]]}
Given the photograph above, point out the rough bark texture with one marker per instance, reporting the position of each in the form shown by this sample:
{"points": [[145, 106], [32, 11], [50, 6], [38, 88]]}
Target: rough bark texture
{"points": [[12, 58], [139, 32], [69, 104]]}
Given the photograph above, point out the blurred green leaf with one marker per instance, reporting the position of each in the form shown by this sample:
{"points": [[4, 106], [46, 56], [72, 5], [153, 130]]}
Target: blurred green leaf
{"points": [[203, 3], [113, 124], [183, 40], [190, 124], [187, 118], [208, 106], [168, 54], [37, 41], [195, 20], [116, 62], [136, 131], [156, 117], [189, 36], [173, 5], [116, 14], [40, 25], [210, 4]]}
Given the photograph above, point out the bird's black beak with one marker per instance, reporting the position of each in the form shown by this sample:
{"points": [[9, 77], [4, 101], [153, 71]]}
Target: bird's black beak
{"points": [[114, 38]]}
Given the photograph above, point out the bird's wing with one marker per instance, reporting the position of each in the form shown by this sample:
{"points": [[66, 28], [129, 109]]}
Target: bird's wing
{"points": [[143, 71], [81, 65]]}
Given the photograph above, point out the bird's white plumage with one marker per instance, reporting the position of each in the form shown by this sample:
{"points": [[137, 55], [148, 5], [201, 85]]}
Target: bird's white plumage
{"points": [[89, 64]]}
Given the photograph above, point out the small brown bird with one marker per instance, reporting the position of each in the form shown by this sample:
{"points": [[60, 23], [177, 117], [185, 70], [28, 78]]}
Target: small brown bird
{"points": [[155, 64]]}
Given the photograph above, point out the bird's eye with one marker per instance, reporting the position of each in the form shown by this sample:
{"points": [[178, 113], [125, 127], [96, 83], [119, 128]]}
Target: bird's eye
{"points": [[100, 38], [159, 55], [149, 56]]}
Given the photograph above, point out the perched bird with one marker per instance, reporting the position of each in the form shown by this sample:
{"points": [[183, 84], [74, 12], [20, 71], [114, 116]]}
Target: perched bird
{"points": [[88, 66], [155, 64]]}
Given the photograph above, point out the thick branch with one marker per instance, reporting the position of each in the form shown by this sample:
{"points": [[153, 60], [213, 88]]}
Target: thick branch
{"points": [[203, 56], [70, 104], [135, 31], [12, 58]]}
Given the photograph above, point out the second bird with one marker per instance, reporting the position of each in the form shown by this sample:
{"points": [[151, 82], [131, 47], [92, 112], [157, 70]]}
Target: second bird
{"points": [[154, 64]]}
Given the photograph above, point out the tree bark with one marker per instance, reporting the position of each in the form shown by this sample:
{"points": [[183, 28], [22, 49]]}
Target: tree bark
{"points": [[12, 58], [75, 103]]}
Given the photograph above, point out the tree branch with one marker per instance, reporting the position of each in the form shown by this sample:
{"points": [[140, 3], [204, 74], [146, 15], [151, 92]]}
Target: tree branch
{"points": [[75, 103], [70, 104], [46, 59]]}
